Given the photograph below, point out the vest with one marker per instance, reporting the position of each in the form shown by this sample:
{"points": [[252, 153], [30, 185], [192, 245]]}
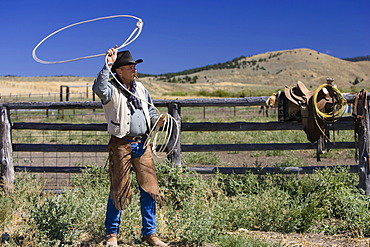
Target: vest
{"points": [[117, 113]]}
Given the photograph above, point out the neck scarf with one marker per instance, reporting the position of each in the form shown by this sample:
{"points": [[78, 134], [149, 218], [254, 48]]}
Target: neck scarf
{"points": [[136, 102], [131, 98]]}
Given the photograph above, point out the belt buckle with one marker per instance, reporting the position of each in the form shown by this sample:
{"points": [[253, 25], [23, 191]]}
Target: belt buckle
{"points": [[136, 138]]}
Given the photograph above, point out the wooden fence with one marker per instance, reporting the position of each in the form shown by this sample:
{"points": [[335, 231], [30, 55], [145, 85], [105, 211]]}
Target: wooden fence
{"points": [[174, 108]]}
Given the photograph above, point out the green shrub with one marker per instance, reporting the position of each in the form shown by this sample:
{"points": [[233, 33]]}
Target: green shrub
{"points": [[55, 219], [196, 210], [66, 217]]}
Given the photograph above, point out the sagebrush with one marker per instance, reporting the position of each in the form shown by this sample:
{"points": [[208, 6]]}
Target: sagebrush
{"points": [[196, 209]]}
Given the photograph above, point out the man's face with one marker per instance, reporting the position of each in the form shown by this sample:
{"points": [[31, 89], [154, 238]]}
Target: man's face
{"points": [[127, 73]]}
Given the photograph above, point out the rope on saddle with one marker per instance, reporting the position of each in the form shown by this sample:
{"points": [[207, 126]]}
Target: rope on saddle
{"points": [[337, 110], [341, 101]]}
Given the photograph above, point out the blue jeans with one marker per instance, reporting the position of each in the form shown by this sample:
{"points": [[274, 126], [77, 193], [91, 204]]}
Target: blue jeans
{"points": [[148, 215]]}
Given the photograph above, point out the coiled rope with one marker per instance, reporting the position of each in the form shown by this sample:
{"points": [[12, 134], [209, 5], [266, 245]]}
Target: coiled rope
{"points": [[161, 137], [155, 136], [341, 102], [333, 115]]}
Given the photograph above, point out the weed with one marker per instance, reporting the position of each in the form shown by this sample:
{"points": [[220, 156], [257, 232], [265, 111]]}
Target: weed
{"points": [[243, 241], [195, 210]]}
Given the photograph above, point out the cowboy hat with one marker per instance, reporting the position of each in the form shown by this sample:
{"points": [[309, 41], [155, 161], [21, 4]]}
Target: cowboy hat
{"points": [[124, 58]]}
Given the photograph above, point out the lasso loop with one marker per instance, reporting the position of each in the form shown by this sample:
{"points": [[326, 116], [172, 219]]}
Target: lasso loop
{"points": [[130, 39], [155, 134]]}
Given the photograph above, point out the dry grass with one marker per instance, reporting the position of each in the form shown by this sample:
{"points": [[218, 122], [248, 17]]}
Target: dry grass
{"points": [[280, 69], [41, 85], [287, 67], [305, 239]]}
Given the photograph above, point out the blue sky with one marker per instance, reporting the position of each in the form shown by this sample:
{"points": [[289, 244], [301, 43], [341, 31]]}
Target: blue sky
{"points": [[177, 34]]}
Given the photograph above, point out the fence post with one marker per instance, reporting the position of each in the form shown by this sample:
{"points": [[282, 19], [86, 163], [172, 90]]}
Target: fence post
{"points": [[67, 93], [6, 151], [175, 140], [363, 147], [61, 93], [87, 90]]}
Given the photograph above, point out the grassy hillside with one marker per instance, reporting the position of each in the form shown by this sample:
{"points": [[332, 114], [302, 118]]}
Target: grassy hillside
{"points": [[274, 70], [259, 74]]}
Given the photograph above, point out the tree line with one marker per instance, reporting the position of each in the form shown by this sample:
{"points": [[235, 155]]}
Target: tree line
{"points": [[357, 59]]}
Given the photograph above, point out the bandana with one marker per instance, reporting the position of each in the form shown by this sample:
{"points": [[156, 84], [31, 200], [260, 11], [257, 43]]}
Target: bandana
{"points": [[135, 101]]}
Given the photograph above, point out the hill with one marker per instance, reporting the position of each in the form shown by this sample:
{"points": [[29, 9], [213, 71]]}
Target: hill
{"points": [[272, 71], [259, 74]]}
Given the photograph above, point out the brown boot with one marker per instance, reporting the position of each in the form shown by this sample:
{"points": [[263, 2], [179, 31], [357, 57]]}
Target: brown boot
{"points": [[111, 240], [153, 240]]}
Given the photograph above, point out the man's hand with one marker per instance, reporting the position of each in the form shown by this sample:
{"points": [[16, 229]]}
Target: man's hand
{"points": [[112, 55], [161, 121]]}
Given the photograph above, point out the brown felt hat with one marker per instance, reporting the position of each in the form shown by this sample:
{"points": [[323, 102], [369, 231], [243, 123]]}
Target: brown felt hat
{"points": [[124, 58]]}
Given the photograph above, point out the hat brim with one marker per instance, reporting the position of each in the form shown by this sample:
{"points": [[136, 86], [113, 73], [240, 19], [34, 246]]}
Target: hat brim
{"points": [[133, 62], [139, 61], [113, 69]]}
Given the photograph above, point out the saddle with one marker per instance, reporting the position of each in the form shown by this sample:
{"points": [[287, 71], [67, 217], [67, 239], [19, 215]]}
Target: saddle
{"points": [[359, 115], [298, 95], [307, 106]]}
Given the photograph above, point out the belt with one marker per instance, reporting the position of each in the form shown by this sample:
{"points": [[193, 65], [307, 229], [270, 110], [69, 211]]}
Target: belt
{"points": [[134, 138]]}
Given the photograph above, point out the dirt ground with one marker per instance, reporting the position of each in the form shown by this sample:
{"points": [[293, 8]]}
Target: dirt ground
{"points": [[302, 157], [307, 240], [288, 240]]}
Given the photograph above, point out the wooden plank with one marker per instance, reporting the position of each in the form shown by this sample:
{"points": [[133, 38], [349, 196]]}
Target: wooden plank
{"points": [[345, 124], [200, 102], [50, 169], [240, 126], [54, 105], [201, 170], [6, 152], [363, 147], [265, 126], [247, 101], [60, 126], [20, 147], [261, 146], [267, 170], [174, 143], [76, 148]]}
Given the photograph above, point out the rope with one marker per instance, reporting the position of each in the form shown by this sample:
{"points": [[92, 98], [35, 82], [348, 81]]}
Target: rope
{"points": [[167, 127], [162, 136], [129, 40], [170, 122], [331, 116]]}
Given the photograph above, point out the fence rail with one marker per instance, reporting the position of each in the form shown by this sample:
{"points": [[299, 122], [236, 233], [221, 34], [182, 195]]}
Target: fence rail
{"points": [[53, 97], [174, 108]]}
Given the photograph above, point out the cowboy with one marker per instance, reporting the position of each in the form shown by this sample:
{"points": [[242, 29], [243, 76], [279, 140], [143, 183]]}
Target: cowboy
{"points": [[130, 115]]}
